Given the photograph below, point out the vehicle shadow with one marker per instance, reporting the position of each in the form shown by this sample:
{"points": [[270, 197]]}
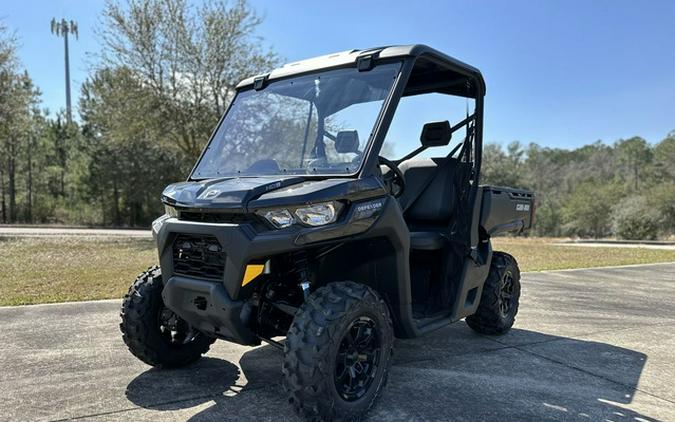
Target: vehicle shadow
{"points": [[171, 389], [453, 374]]}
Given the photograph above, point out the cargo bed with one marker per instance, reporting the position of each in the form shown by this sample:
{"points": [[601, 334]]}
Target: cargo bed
{"points": [[506, 209]]}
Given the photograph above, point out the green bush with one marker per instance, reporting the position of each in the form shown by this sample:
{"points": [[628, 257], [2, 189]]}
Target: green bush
{"points": [[662, 198], [587, 211], [634, 219]]}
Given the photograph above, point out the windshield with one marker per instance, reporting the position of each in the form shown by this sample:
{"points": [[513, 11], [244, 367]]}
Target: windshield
{"points": [[313, 124]]}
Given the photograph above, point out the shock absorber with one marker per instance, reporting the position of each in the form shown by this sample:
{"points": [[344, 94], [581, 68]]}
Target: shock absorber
{"points": [[300, 272]]}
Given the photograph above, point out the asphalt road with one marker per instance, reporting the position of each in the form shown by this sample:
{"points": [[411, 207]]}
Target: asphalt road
{"points": [[589, 345], [19, 231]]}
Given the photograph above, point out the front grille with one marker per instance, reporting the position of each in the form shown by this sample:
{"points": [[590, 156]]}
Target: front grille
{"points": [[197, 255], [216, 217]]}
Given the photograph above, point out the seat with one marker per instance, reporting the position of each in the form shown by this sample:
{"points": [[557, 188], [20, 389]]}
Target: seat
{"points": [[429, 213]]}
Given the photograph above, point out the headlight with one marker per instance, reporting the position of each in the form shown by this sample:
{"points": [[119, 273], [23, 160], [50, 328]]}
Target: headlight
{"points": [[311, 215], [279, 218], [317, 215], [170, 211]]}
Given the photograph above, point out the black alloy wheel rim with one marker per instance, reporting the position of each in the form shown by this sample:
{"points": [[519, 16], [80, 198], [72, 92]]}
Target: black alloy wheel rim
{"points": [[506, 294], [357, 359], [173, 329]]}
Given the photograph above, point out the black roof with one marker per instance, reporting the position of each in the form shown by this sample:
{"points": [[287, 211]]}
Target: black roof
{"points": [[434, 58]]}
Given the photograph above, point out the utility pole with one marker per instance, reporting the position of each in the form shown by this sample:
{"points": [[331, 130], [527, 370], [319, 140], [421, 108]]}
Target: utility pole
{"points": [[62, 29]]}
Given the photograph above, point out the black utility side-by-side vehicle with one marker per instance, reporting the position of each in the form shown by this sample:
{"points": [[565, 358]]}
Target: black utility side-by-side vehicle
{"points": [[299, 221]]}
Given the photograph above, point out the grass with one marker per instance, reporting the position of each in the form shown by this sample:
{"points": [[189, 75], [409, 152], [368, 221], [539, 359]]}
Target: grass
{"points": [[42, 270], [539, 254]]}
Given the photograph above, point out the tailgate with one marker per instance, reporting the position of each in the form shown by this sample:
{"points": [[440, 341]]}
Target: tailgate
{"points": [[506, 209]]}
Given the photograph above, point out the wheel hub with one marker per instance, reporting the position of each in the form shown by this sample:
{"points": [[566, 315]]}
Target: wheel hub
{"points": [[174, 329], [357, 359]]}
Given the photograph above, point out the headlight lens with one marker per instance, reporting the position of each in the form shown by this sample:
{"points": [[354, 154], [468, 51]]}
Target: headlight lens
{"points": [[317, 215], [170, 211], [311, 215], [279, 218]]}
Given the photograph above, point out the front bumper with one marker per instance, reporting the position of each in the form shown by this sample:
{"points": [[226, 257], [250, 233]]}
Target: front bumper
{"points": [[208, 308], [217, 307]]}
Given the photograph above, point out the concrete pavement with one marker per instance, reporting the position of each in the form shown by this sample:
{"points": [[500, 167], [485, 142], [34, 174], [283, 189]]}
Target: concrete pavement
{"points": [[588, 345]]}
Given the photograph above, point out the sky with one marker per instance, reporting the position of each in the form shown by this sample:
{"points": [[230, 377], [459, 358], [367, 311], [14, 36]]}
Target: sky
{"points": [[558, 73]]}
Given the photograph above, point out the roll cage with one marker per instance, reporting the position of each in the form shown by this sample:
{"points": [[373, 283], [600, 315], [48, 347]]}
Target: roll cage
{"points": [[424, 70]]}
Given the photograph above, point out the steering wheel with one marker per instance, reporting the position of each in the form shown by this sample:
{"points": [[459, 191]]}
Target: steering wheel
{"points": [[393, 179]]}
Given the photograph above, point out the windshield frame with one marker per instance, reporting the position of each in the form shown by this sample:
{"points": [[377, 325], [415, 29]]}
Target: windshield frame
{"points": [[368, 146]]}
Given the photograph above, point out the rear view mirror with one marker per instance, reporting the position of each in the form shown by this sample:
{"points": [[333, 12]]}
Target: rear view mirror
{"points": [[436, 134]]}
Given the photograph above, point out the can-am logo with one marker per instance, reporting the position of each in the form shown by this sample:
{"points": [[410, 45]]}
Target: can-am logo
{"points": [[522, 207], [211, 194]]}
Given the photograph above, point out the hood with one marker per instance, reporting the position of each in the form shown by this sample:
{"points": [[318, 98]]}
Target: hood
{"points": [[246, 194], [231, 193]]}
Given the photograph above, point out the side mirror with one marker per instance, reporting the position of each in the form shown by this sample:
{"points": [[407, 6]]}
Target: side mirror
{"points": [[436, 134]]}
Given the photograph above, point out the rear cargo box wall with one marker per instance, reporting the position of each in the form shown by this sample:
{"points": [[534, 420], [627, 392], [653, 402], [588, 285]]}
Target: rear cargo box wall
{"points": [[506, 209]]}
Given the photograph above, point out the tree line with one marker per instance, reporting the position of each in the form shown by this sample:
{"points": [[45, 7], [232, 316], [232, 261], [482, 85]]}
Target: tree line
{"points": [[167, 70], [626, 189]]}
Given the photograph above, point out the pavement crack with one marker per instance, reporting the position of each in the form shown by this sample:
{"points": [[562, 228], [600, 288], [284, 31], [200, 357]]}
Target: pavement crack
{"points": [[578, 336], [593, 374], [471, 352], [404, 363], [157, 405], [520, 347]]}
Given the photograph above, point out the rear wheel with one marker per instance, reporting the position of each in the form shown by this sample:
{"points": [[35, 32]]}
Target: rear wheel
{"points": [[498, 306], [338, 352], [152, 332]]}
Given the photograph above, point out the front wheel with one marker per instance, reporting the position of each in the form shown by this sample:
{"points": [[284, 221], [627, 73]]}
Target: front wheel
{"points": [[338, 352], [498, 305], [152, 332]]}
